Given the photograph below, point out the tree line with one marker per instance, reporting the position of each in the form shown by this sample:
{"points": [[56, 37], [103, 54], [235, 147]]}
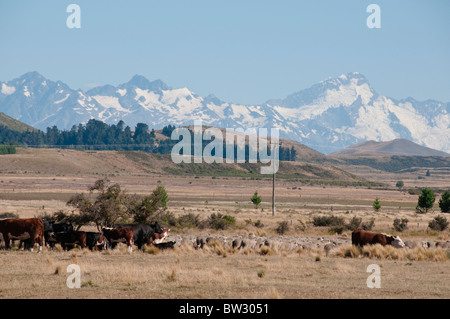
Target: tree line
{"points": [[97, 135]]}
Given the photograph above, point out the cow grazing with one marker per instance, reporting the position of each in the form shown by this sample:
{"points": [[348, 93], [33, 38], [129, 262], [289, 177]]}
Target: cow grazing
{"points": [[30, 230], [142, 232], [95, 241], [362, 237], [119, 235], [157, 238], [69, 239], [51, 228]]}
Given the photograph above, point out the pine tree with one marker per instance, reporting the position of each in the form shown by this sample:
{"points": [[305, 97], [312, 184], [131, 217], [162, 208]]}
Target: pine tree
{"points": [[425, 201], [376, 204], [444, 202], [256, 200]]}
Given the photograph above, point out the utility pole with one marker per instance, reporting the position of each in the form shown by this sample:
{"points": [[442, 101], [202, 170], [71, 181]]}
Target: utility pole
{"points": [[273, 180], [273, 194]]}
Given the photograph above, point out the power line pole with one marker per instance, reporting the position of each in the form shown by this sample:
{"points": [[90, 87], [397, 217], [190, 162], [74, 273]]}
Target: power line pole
{"points": [[273, 181]]}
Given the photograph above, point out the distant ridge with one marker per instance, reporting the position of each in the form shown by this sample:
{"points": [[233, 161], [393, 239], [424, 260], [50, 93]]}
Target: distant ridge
{"points": [[394, 147]]}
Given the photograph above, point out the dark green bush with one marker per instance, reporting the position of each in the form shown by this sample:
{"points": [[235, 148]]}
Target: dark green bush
{"points": [[258, 224], [219, 221], [401, 224], [282, 228], [354, 223], [368, 225], [439, 223], [328, 221], [189, 221], [8, 215]]}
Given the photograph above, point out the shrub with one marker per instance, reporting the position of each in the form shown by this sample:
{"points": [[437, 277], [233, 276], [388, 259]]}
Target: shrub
{"points": [[354, 223], [189, 220], [168, 219], [266, 251], [439, 223], [258, 224], [282, 228], [328, 221], [338, 229], [219, 221], [401, 224], [8, 215], [368, 225]]}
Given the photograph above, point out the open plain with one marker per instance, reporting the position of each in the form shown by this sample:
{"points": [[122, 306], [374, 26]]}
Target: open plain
{"points": [[35, 182]]}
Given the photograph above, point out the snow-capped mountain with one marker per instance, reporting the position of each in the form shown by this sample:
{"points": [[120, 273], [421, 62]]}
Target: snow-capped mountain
{"points": [[328, 116]]}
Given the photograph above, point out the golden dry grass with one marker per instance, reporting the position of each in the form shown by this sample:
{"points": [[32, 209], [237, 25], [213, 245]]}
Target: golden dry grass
{"points": [[218, 271], [390, 253], [188, 273]]}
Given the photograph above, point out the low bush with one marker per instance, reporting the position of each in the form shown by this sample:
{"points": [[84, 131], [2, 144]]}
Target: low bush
{"points": [[354, 223], [282, 228], [220, 222], [401, 224], [189, 220], [368, 225], [439, 223], [328, 221], [8, 215]]}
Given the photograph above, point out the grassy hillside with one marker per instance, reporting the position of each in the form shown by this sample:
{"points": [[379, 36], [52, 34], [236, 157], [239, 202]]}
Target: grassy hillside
{"points": [[62, 162], [13, 124], [394, 163]]}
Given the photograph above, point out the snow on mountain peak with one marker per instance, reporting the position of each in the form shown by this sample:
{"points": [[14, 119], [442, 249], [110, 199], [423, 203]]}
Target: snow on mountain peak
{"points": [[328, 116]]}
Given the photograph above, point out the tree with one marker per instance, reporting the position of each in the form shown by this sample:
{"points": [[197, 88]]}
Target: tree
{"points": [[444, 202], [376, 204], [148, 209], [400, 184], [107, 209], [425, 201], [256, 200]]}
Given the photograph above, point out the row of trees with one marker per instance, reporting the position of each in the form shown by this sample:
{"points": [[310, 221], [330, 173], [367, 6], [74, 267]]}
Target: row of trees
{"points": [[427, 198], [425, 202], [101, 136]]}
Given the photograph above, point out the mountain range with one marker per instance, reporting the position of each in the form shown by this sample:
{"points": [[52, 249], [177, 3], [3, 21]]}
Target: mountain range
{"points": [[329, 116]]}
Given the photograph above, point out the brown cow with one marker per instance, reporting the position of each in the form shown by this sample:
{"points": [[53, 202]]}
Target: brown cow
{"points": [[29, 229], [69, 239], [362, 237], [158, 238], [119, 235]]}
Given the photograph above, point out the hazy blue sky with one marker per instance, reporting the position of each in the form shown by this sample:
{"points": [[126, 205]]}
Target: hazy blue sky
{"points": [[242, 51]]}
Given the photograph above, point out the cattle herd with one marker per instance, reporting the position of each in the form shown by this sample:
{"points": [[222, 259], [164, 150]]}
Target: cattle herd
{"points": [[31, 231]]}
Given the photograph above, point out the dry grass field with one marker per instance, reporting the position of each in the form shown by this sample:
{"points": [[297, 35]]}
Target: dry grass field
{"points": [[189, 273], [32, 184]]}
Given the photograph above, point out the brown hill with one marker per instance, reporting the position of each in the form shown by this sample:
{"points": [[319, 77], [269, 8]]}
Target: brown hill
{"points": [[63, 162], [394, 147]]}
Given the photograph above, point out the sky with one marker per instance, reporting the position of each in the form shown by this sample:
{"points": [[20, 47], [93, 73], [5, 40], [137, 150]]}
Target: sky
{"points": [[242, 51]]}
